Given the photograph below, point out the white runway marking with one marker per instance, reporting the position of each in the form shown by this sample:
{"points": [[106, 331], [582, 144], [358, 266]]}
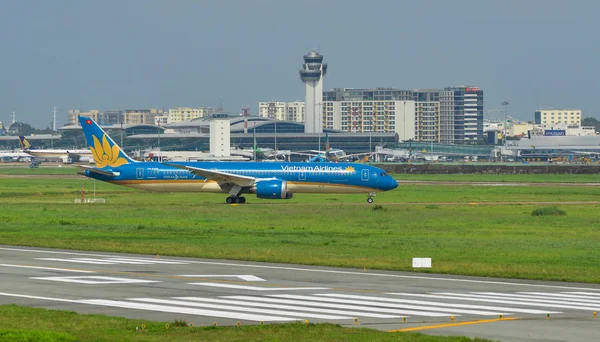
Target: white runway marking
{"points": [[115, 261], [17, 295], [183, 310], [586, 293], [541, 299], [47, 268], [246, 277], [95, 262], [96, 280], [257, 288], [445, 306], [299, 315], [341, 305], [475, 298], [289, 307], [361, 274], [565, 296]]}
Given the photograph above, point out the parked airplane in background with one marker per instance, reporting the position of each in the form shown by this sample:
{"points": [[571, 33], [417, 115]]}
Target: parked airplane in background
{"points": [[333, 154], [266, 180], [11, 156], [65, 156]]}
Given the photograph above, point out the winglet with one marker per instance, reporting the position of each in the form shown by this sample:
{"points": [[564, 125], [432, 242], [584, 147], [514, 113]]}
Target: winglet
{"points": [[105, 151]]}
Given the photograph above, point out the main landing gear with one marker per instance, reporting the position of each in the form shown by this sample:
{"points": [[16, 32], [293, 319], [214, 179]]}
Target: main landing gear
{"points": [[370, 199], [235, 199]]}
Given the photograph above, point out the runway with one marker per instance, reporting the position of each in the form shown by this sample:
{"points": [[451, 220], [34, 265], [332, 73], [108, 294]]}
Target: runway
{"points": [[204, 291]]}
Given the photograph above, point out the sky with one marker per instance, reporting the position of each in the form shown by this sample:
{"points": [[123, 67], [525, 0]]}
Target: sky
{"points": [[135, 54]]}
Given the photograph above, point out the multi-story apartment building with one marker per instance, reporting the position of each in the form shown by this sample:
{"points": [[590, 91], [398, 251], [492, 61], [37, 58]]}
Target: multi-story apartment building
{"points": [[427, 121], [549, 117], [278, 110], [140, 116], [74, 113], [461, 115], [188, 113], [295, 111], [272, 110]]}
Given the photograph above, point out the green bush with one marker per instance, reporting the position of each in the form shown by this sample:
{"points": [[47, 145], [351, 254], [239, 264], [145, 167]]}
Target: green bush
{"points": [[548, 211]]}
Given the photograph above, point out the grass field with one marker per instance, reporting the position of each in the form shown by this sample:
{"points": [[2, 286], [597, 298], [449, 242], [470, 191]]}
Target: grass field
{"points": [[30, 324], [449, 223]]}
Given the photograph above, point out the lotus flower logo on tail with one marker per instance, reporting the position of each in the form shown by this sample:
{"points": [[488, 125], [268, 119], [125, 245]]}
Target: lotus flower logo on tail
{"points": [[106, 155]]}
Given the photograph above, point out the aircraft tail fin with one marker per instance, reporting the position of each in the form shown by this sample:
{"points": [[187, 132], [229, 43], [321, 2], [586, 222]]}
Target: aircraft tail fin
{"points": [[327, 146], [105, 151], [25, 144]]}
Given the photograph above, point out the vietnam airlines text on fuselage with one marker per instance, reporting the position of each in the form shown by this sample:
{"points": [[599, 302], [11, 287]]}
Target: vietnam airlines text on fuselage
{"points": [[300, 177]]}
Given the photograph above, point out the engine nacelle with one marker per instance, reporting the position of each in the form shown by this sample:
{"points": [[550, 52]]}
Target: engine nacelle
{"points": [[272, 189]]}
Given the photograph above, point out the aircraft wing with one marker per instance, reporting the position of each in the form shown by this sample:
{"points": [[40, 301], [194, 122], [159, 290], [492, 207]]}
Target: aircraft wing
{"points": [[100, 172], [223, 178]]}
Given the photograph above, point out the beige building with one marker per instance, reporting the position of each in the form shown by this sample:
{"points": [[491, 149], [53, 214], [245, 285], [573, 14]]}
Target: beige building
{"points": [[272, 110], [278, 110], [295, 111], [549, 117], [143, 116], [180, 114], [74, 113], [427, 121]]}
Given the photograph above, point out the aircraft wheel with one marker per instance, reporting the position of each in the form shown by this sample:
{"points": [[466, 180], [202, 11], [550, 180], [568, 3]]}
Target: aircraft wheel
{"points": [[229, 200], [370, 200], [242, 200]]}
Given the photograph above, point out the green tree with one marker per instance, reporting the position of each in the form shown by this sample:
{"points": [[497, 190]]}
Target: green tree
{"points": [[21, 128], [591, 122]]}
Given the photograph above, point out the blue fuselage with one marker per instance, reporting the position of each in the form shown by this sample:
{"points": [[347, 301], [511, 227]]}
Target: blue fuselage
{"points": [[300, 177]]}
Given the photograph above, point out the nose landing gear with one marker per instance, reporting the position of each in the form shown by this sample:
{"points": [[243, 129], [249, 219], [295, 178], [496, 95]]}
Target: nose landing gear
{"points": [[370, 199]]}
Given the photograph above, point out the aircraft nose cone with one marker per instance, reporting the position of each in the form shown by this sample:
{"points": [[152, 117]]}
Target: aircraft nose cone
{"points": [[393, 184]]}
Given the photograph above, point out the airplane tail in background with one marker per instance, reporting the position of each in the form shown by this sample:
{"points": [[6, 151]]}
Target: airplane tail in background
{"points": [[105, 151], [327, 146], [25, 145]]}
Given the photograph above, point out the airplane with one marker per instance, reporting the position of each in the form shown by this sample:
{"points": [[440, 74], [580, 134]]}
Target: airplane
{"points": [[279, 180], [65, 156], [11, 156], [333, 154]]}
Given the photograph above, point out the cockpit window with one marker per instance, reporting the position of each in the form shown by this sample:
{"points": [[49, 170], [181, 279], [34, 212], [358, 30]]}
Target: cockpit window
{"points": [[384, 174]]}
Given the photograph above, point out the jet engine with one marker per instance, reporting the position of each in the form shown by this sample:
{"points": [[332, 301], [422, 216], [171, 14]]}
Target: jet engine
{"points": [[272, 189]]}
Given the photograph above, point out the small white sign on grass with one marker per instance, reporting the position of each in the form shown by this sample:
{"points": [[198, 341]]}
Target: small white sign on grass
{"points": [[421, 262]]}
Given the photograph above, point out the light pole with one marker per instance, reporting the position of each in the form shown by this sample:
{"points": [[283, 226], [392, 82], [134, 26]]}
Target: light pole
{"points": [[505, 104], [370, 135]]}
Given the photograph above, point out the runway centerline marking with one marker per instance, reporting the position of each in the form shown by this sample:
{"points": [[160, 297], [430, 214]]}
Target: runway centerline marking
{"points": [[47, 268], [257, 288], [96, 280], [245, 277]]}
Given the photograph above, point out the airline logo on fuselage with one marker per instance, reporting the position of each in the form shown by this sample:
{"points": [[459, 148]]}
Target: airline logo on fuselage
{"points": [[316, 168]]}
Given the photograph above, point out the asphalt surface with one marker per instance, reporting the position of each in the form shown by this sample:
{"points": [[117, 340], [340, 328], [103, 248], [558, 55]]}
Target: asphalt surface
{"points": [[206, 291]]}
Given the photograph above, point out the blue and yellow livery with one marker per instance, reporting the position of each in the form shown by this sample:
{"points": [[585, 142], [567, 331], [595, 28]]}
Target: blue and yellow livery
{"points": [[266, 180]]}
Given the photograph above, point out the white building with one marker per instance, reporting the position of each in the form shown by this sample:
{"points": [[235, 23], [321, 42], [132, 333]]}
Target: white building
{"points": [[288, 111], [311, 74], [295, 111], [161, 120], [272, 110], [549, 117], [371, 116], [220, 131]]}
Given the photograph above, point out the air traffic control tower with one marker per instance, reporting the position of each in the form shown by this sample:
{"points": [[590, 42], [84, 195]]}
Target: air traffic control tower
{"points": [[312, 74]]}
